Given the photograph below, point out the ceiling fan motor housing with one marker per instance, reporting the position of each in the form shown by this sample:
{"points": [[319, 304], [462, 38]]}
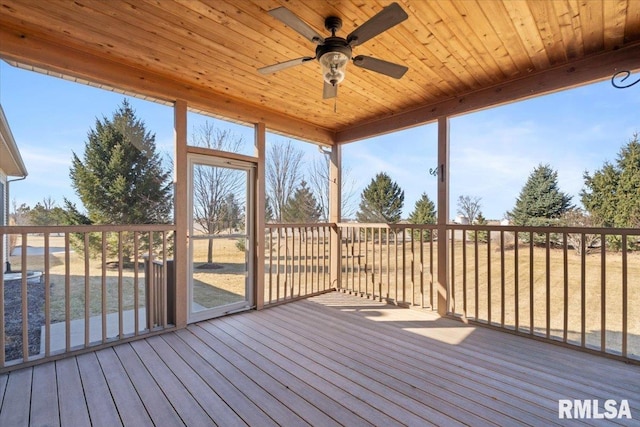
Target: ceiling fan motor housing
{"points": [[333, 55]]}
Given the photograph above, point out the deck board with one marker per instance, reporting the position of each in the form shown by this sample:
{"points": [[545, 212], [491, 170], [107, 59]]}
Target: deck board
{"points": [[130, 407], [103, 412], [331, 360], [470, 406], [44, 404], [73, 409]]}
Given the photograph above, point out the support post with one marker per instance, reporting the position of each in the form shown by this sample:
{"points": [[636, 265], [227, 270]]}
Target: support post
{"points": [[260, 205], [335, 214], [181, 251], [443, 290]]}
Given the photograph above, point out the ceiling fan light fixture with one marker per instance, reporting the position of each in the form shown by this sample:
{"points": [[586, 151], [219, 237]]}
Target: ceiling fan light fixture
{"points": [[334, 65]]}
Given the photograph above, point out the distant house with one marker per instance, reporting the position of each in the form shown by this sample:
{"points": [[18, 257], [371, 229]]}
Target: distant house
{"points": [[11, 165], [461, 219]]}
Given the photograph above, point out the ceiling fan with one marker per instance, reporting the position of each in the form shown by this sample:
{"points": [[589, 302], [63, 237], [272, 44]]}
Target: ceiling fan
{"points": [[334, 52]]}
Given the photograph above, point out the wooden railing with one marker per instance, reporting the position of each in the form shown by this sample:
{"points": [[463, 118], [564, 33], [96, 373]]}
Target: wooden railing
{"points": [[577, 286], [72, 288], [396, 263], [297, 261]]}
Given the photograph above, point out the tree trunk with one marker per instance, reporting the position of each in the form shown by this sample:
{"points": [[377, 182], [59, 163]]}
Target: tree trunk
{"points": [[210, 251]]}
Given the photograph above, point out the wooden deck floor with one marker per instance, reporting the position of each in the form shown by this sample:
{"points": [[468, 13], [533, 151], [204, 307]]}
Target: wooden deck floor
{"points": [[330, 360]]}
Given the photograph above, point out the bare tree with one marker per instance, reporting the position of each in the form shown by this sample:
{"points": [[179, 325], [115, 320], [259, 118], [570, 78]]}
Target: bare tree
{"points": [[469, 207], [284, 173], [319, 183], [578, 218], [213, 186]]}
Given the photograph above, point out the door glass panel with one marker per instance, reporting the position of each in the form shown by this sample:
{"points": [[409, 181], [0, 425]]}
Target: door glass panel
{"points": [[219, 239]]}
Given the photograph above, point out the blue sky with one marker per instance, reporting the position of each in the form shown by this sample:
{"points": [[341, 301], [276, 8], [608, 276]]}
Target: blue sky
{"points": [[492, 151]]}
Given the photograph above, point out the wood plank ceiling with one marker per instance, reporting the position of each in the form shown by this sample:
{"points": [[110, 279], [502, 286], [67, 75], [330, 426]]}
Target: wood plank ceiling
{"points": [[462, 55]]}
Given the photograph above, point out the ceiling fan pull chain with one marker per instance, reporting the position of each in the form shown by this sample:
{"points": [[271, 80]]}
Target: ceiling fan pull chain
{"points": [[335, 104]]}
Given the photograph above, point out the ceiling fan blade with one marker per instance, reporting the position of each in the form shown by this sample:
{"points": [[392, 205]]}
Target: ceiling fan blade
{"points": [[382, 21], [283, 65], [379, 66], [292, 21], [329, 91]]}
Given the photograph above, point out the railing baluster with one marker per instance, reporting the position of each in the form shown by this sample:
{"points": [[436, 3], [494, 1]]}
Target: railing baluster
{"points": [[306, 259], [24, 300], [2, 290], [103, 284], [395, 266], [476, 274], [531, 285], [516, 277], [583, 291], [287, 279], [413, 259], [502, 280], [270, 265], [279, 263], [67, 293], [120, 290], [404, 267], [548, 284], [299, 263], [388, 264], [47, 294], [136, 285], [422, 267], [565, 266], [87, 292], [624, 296], [326, 257], [603, 295], [165, 274], [452, 261], [150, 289], [431, 264], [489, 277], [464, 272]]}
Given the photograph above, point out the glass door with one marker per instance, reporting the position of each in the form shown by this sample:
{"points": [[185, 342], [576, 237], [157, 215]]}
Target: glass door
{"points": [[220, 230]]}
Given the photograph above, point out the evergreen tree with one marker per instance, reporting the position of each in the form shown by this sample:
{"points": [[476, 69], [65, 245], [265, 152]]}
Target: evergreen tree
{"points": [[381, 201], [540, 202], [120, 179], [302, 207], [424, 212], [482, 234], [612, 194]]}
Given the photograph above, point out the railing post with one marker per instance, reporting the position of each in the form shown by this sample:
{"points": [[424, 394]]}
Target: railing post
{"points": [[259, 236], [443, 290], [181, 250], [335, 200]]}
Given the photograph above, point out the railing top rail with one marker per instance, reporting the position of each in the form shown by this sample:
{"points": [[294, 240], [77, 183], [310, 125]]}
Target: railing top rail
{"points": [[40, 229], [511, 228], [299, 225], [548, 229], [386, 226]]}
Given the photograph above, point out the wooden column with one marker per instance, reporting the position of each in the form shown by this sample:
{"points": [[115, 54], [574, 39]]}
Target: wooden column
{"points": [[259, 235], [181, 250], [443, 290], [335, 213]]}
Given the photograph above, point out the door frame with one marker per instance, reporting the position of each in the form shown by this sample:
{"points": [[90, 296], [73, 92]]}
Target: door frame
{"points": [[215, 158]]}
